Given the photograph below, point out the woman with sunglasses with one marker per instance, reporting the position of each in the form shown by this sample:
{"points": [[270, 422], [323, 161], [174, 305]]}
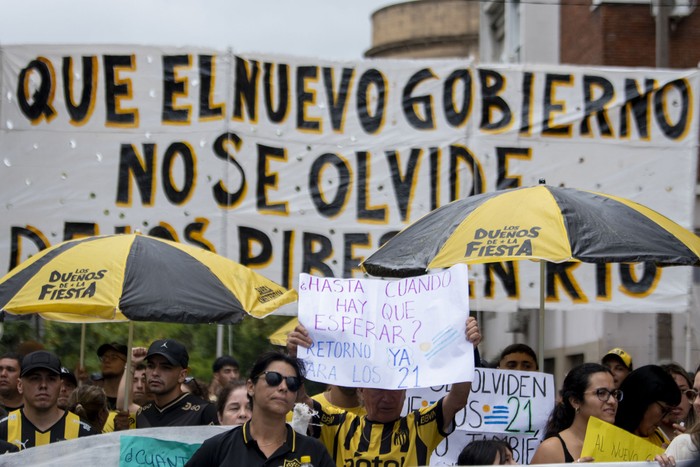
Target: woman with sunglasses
{"points": [[693, 395], [686, 446], [682, 417], [266, 439], [588, 391]]}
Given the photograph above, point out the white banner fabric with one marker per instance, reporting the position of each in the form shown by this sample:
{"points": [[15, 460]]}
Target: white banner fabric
{"points": [[291, 164]]}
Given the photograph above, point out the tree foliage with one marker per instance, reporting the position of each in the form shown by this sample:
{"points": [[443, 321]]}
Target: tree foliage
{"points": [[245, 340]]}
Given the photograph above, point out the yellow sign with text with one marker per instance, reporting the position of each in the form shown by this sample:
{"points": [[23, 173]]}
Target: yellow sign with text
{"points": [[605, 442]]}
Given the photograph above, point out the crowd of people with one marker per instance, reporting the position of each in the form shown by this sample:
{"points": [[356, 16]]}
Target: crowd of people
{"points": [[43, 402]]}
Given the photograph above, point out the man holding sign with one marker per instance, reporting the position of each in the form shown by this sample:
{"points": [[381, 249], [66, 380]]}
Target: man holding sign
{"points": [[368, 331]]}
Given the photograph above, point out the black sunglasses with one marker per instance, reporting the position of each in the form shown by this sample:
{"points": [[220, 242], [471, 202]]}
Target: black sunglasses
{"points": [[274, 379]]}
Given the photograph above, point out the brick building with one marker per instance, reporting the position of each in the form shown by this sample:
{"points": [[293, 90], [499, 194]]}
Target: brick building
{"points": [[624, 34], [593, 32]]}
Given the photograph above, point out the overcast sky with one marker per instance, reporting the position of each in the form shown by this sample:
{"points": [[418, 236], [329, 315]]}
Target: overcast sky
{"points": [[329, 29]]}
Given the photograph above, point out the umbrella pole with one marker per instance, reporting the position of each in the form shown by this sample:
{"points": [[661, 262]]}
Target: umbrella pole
{"points": [[82, 346], [128, 380], [540, 321]]}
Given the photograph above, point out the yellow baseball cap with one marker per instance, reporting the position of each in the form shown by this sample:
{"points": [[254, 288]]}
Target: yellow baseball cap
{"points": [[621, 354]]}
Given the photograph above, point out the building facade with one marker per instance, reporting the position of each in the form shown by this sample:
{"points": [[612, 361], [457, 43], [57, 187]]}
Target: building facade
{"points": [[606, 33]]}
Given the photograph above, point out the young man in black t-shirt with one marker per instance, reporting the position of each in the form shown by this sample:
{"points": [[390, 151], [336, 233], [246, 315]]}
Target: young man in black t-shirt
{"points": [[166, 369]]}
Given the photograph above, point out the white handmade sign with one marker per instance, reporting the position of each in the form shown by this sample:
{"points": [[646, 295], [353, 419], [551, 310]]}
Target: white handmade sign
{"points": [[503, 404], [400, 334]]}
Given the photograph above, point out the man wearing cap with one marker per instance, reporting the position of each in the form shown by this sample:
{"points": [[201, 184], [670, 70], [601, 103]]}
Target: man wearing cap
{"points": [[40, 421], [10, 364], [166, 369], [620, 364], [225, 370], [68, 384], [112, 364]]}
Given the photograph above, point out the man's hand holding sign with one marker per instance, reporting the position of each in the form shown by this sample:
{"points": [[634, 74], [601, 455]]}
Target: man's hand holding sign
{"points": [[393, 325]]}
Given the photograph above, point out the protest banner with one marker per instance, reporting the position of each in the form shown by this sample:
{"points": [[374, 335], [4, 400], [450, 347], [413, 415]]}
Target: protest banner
{"points": [[290, 164], [119, 448], [607, 443], [396, 334], [104, 450], [503, 404], [140, 451]]}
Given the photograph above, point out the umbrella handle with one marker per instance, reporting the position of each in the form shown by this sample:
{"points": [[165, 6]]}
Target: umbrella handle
{"points": [[540, 321], [82, 346], [129, 380]]}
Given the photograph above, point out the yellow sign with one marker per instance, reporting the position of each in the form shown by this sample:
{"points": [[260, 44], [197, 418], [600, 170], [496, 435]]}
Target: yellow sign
{"points": [[608, 443]]}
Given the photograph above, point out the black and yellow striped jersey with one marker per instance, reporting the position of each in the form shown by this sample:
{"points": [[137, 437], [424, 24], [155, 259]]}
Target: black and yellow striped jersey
{"points": [[353, 440], [17, 429]]}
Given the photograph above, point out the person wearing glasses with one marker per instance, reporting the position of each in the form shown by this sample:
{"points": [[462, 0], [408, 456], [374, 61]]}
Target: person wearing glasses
{"points": [[166, 369], [588, 391], [266, 439], [686, 446], [693, 396], [651, 394], [682, 417], [112, 363]]}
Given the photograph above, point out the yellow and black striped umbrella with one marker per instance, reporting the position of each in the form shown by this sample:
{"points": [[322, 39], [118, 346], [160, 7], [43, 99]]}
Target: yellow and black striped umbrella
{"points": [[138, 278], [538, 223], [279, 337]]}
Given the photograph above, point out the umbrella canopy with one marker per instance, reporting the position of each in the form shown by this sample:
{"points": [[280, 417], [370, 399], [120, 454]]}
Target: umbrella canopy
{"points": [[541, 223], [139, 278], [537, 223], [279, 337]]}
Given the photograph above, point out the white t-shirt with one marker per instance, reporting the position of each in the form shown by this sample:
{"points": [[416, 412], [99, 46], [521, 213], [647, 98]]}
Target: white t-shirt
{"points": [[682, 448]]}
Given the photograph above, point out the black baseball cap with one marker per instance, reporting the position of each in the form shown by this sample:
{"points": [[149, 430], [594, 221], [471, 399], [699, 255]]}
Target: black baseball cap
{"points": [[119, 348], [67, 374], [41, 359], [172, 350]]}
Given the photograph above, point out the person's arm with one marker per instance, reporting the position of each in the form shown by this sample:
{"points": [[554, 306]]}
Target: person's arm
{"points": [[137, 356], [457, 398], [296, 338]]}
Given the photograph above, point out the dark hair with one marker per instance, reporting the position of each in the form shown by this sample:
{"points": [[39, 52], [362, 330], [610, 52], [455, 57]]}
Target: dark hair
{"points": [[519, 348], [483, 452], [197, 388], [140, 366], [224, 360], [643, 387], [224, 392], [673, 368], [13, 356], [575, 384], [88, 402], [267, 358]]}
